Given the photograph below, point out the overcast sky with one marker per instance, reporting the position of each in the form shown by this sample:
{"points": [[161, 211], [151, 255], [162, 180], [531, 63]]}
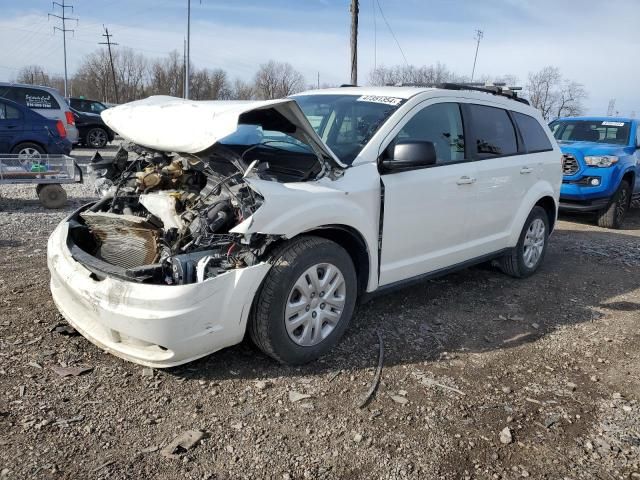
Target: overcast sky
{"points": [[594, 42]]}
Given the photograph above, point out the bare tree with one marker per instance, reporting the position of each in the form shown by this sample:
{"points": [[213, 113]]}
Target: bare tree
{"points": [[411, 74], [36, 75], [569, 99], [210, 85], [242, 90], [553, 95], [277, 80], [167, 76]]}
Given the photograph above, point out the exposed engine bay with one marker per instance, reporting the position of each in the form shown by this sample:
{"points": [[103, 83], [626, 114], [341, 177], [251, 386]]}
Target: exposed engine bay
{"points": [[165, 218]]}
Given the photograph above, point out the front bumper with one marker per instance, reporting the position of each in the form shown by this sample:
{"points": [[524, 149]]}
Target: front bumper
{"points": [[158, 326]]}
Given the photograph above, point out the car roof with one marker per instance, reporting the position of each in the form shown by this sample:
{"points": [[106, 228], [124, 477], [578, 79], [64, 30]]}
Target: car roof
{"points": [[28, 85], [407, 92], [599, 119]]}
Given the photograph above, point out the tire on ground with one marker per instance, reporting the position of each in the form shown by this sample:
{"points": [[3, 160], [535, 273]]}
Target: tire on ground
{"points": [[613, 215], [513, 263], [52, 195], [267, 321]]}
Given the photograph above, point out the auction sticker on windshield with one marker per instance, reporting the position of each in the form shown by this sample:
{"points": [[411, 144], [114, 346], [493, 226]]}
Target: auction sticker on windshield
{"points": [[380, 99], [613, 124]]}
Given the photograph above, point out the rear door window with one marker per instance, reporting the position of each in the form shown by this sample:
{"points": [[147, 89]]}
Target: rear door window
{"points": [[534, 137], [493, 130], [7, 112], [33, 98]]}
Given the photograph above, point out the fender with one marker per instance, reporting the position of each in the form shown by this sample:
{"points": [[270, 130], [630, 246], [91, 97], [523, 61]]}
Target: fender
{"points": [[540, 190], [290, 209]]}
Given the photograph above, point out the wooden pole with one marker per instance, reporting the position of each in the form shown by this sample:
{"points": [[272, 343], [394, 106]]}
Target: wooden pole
{"points": [[355, 10]]}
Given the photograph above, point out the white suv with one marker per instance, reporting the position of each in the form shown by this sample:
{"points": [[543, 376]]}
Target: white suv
{"points": [[276, 216]]}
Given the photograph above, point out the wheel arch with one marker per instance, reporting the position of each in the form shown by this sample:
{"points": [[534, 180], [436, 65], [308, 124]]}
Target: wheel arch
{"points": [[629, 176], [348, 238], [549, 205], [35, 142]]}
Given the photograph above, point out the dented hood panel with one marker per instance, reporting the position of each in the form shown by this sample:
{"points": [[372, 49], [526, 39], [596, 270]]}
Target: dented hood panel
{"points": [[173, 124]]}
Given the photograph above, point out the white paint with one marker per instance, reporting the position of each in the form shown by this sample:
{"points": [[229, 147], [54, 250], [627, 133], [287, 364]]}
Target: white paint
{"points": [[190, 126]]}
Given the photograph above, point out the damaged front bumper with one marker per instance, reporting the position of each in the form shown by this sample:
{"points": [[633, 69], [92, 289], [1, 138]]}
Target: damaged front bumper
{"points": [[158, 326]]}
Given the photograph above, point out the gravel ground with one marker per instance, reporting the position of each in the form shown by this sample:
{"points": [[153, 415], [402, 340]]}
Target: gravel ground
{"points": [[485, 377]]}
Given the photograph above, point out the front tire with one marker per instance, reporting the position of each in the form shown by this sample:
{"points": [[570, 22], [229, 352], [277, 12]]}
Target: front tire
{"points": [[306, 301], [527, 256], [613, 215]]}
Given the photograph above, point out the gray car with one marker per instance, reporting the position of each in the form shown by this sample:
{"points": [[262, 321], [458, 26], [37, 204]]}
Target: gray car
{"points": [[46, 101]]}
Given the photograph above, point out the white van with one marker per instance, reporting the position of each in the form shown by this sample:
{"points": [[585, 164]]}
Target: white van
{"points": [[47, 101], [275, 217]]}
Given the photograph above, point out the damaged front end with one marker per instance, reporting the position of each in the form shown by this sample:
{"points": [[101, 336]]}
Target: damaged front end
{"points": [[166, 218]]}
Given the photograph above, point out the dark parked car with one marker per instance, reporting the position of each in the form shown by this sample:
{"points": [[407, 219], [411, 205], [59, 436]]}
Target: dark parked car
{"points": [[25, 132], [92, 130], [87, 106]]}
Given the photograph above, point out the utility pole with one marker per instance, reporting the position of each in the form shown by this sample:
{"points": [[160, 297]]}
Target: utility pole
{"points": [[186, 75], [355, 10], [64, 31], [108, 43], [184, 68], [479, 36]]}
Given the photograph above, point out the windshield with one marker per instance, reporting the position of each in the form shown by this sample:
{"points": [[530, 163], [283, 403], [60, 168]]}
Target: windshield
{"points": [[347, 122], [599, 131]]}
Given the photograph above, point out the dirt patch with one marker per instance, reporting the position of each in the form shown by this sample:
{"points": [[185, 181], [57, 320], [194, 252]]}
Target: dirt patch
{"points": [[554, 359]]}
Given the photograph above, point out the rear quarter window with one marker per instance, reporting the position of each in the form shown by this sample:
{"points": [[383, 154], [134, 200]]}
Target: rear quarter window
{"points": [[493, 130], [534, 137], [33, 98]]}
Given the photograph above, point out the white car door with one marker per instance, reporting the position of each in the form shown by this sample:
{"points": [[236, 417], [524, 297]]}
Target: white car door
{"points": [[504, 176], [426, 210]]}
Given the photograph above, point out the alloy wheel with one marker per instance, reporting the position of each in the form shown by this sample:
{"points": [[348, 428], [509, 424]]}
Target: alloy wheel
{"points": [[315, 304], [534, 243], [97, 138]]}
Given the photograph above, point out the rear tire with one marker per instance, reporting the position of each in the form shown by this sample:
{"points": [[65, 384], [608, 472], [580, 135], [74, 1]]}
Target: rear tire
{"points": [[297, 324], [52, 195], [613, 215], [28, 151], [96, 138], [526, 257]]}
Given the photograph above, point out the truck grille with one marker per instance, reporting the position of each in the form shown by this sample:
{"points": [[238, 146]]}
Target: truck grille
{"points": [[569, 165]]}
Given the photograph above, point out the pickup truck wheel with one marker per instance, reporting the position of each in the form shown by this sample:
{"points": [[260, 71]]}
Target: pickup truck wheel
{"points": [[306, 301], [52, 195], [613, 215], [527, 255], [96, 138]]}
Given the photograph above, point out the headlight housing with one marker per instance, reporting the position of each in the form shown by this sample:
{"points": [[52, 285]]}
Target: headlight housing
{"points": [[601, 160]]}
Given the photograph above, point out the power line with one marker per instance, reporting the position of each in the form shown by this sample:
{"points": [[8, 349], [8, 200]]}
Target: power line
{"points": [[64, 31], [479, 36], [108, 43], [392, 34]]}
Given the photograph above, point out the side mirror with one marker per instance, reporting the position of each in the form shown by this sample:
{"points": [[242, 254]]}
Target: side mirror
{"points": [[410, 155]]}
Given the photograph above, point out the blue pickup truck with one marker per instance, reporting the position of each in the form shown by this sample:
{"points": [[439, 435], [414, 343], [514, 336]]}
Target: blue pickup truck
{"points": [[601, 166]]}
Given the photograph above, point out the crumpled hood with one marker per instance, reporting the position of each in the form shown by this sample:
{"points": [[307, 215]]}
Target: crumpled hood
{"points": [[173, 124], [592, 149]]}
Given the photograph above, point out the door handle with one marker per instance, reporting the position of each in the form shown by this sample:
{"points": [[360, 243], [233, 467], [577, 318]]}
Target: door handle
{"points": [[525, 170], [466, 180]]}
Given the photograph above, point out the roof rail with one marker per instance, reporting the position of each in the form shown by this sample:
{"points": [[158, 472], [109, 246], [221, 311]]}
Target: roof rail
{"points": [[495, 89]]}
